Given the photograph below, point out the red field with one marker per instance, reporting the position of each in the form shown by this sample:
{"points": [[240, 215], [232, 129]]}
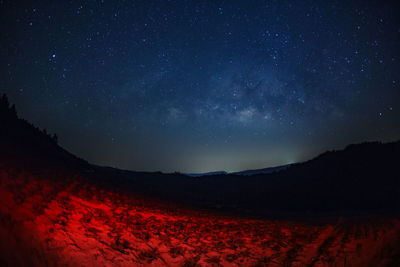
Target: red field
{"points": [[72, 223]]}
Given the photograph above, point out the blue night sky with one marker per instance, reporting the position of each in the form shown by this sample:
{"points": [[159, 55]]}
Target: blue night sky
{"points": [[196, 86]]}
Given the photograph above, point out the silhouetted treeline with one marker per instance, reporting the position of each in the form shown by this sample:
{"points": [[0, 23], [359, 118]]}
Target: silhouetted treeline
{"points": [[360, 178], [8, 115], [7, 112], [21, 139]]}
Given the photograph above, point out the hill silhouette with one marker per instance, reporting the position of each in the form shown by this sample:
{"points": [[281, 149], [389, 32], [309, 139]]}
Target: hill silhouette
{"points": [[22, 142], [59, 210], [360, 178]]}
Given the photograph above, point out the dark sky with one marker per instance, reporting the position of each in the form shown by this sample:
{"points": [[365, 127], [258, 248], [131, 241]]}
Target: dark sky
{"points": [[197, 86]]}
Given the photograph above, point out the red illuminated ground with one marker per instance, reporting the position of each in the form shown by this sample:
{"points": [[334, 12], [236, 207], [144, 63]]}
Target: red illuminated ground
{"points": [[72, 223]]}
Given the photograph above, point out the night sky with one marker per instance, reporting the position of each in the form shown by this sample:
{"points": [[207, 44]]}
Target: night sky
{"points": [[196, 86]]}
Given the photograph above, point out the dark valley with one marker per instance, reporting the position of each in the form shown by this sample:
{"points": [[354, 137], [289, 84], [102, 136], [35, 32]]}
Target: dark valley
{"points": [[338, 209]]}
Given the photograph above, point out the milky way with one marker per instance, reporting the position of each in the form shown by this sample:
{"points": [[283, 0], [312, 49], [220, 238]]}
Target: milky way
{"points": [[202, 86]]}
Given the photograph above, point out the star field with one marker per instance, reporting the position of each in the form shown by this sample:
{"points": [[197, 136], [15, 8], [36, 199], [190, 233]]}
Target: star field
{"points": [[203, 85]]}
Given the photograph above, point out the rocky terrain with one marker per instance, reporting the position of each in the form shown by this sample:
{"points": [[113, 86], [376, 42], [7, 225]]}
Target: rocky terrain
{"points": [[339, 209], [50, 218]]}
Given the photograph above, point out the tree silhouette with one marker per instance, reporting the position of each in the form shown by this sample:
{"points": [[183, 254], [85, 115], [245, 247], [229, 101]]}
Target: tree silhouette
{"points": [[4, 101], [13, 111], [8, 116], [55, 138], [7, 112]]}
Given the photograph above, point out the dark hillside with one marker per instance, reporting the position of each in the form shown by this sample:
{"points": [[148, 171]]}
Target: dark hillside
{"points": [[58, 210], [360, 178], [23, 143]]}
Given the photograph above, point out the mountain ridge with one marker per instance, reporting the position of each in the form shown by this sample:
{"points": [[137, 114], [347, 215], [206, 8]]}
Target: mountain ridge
{"points": [[340, 208], [360, 177]]}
